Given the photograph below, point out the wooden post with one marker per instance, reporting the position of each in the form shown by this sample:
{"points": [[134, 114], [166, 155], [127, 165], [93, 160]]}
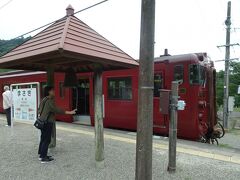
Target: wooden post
{"points": [[173, 128], [50, 82], [145, 97], [98, 120]]}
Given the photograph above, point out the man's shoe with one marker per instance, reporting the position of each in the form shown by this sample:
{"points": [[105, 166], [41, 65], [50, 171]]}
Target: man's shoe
{"points": [[46, 160], [50, 157], [6, 125]]}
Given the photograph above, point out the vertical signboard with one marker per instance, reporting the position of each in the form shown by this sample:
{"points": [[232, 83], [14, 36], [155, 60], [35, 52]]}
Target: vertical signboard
{"points": [[25, 104], [231, 101], [26, 97]]}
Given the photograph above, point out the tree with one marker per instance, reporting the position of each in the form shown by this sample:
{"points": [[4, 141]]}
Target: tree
{"points": [[234, 82], [8, 45]]}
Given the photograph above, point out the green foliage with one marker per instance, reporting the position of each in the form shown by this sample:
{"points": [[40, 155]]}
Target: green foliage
{"points": [[234, 82], [8, 45]]}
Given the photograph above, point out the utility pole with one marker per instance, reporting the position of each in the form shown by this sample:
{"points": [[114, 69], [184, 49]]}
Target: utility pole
{"points": [[145, 96], [98, 119], [173, 127], [226, 72]]}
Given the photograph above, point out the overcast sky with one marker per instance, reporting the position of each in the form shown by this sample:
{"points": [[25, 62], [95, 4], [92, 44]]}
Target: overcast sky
{"points": [[182, 26]]}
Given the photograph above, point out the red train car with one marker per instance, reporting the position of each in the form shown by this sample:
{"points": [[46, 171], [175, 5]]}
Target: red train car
{"points": [[195, 73], [197, 88]]}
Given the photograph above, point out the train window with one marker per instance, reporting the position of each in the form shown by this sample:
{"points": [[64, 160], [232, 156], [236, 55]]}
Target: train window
{"points": [[61, 90], [197, 74], [178, 73], [194, 74], [120, 88], [202, 76], [158, 84]]}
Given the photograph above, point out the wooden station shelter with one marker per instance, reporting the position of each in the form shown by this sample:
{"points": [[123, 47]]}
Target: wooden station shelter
{"points": [[70, 43]]}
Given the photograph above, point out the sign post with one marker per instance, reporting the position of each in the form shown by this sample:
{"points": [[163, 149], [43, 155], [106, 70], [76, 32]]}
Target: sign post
{"points": [[170, 105]]}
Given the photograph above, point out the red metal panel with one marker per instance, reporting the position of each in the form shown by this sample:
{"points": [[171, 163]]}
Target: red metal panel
{"points": [[64, 102], [121, 113], [164, 101]]}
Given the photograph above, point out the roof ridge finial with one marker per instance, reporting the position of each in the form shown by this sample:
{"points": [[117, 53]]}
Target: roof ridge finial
{"points": [[70, 10]]}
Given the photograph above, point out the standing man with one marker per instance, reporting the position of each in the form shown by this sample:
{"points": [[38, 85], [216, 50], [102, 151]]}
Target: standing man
{"points": [[7, 104]]}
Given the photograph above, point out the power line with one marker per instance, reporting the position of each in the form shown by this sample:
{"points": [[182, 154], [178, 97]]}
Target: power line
{"points": [[57, 20], [91, 6], [233, 59], [1, 7]]}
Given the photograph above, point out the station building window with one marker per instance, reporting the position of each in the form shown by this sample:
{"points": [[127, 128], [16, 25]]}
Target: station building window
{"points": [[120, 88]]}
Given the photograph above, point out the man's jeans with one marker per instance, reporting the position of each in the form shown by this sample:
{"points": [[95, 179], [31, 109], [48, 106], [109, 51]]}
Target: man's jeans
{"points": [[8, 114]]}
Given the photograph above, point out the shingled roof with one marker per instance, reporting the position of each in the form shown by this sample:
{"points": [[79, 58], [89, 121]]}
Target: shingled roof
{"points": [[67, 42]]}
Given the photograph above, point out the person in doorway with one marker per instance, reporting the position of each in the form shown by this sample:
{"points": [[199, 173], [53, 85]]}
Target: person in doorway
{"points": [[47, 110], [7, 104]]}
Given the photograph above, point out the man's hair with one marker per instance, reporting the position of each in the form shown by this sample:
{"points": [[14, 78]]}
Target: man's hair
{"points": [[47, 89], [6, 88]]}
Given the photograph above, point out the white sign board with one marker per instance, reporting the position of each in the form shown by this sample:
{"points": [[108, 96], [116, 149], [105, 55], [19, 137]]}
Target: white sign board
{"points": [[231, 101], [239, 89], [25, 104]]}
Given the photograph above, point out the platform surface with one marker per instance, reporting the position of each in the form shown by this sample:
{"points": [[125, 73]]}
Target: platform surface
{"points": [[74, 156]]}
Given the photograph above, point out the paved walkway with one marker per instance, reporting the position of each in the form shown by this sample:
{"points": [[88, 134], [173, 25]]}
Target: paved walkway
{"points": [[75, 156]]}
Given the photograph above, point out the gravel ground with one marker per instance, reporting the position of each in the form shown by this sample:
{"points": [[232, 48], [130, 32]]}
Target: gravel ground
{"points": [[74, 156], [231, 140]]}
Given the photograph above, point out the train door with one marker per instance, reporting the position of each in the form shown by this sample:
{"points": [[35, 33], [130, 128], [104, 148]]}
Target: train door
{"points": [[81, 101], [159, 120]]}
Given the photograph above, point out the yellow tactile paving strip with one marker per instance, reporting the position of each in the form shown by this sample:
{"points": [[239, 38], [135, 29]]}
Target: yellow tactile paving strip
{"points": [[189, 151], [210, 155]]}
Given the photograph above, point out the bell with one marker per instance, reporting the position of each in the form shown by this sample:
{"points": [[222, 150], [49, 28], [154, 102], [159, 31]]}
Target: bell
{"points": [[70, 79]]}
